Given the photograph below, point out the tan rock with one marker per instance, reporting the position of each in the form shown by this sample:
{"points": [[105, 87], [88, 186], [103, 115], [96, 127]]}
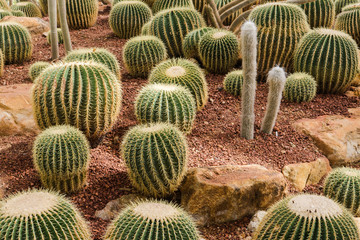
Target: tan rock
{"points": [[34, 24], [227, 193]]}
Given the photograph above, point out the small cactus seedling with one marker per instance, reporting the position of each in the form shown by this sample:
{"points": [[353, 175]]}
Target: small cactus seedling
{"points": [[300, 87], [36, 69], [160, 5], [60, 36], [81, 13], [191, 42], [320, 13], [233, 82], [29, 8], [348, 21]]}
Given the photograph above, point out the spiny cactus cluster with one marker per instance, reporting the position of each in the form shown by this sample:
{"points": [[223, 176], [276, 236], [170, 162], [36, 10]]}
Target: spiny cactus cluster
{"points": [[4, 13], [15, 41], [160, 5], [18, 13], [339, 4], [307, 217], [166, 103], [127, 18], [141, 54], [41, 214], [36, 69], [81, 94], [81, 13], [156, 158], [300, 87], [219, 51], [158, 220], [60, 36], [29, 8], [191, 42], [233, 82], [320, 13], [330, 56], [348, 21]]}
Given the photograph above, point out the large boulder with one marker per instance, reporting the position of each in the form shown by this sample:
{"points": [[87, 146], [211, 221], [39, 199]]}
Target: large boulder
{"points": [[34, 24], [226, 193]]}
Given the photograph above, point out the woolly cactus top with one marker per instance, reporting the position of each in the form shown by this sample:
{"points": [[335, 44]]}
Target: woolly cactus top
{"points": [[153, 128], [156, 210], [175, 71], [218, 35], [164, 87]]}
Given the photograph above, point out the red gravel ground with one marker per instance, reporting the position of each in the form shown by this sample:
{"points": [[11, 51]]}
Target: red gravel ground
{"points": [[215, 139]]}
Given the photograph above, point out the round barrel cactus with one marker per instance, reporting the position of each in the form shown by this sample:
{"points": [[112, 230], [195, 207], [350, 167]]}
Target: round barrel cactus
{"points": [[299, 87], [15, 41], [320, 13], [99, 55], [44, 6], [4, 13], [182, 72], [81, 94], [81, 13], [199, 5], [148, 2], [280, 27], [156, 158], [233, 82], [343, 185], [172, 25], [36, 69], [29, 8], [4, 5], [306, 217], [146, 28], [166, 103], [191, 42], [219, 51], [127, 18], [348, 21], [158, 220], [339, 4], [232, 17], [18, 13], [60, 36], [330, 56], [160, 5], [41, 214]]}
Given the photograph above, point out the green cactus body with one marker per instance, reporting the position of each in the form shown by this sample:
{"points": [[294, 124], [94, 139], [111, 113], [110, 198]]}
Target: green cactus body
{"points": [[4, 13], [166, 103], [156, 158], [185, 73], [141, 54], [232, 17], [29, 8], [15, 42], [191, 42], [128, 17], [307, 217], [280, 27], [160, 5], [233, 82], [343, 185], [199, 5], [340, 4], [61, 157], [219, 51], [36, 69], [81, 94], [330, 56], [348, 21], [2, 63], [18, 13], [158, 220], [4, 5], [172, 25], [60, 36], [99, 55], [81, 13], [300, 87], [44, 6], [148, 2], [146, 28], [320, 13]]}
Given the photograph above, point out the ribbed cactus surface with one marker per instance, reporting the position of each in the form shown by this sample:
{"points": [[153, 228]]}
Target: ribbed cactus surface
{"points": [[15, 41], [192, 40], [36, 214], [4, 13], [44, 6], [172, 25], [233, 82], [81, 94], [166, 103], [339, 4], [160, 5], [81, 13], [330, 56], [142, 53], [146, 28], [320, 13], [2, 63], [158, 220], [348, 21], [232, 17], [36, 69], [60, 36], [199, 5], [29, 8], [300, 87], [156, 158], [307, 217], [18, 13]]}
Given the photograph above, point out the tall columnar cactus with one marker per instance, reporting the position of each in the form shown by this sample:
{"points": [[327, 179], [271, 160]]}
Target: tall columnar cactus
{"points": [[61, 157], [4, 5], [233, 16], [343, 185], [141, 54], [99, 55], [339, 4], [36, 214], [192, 40], [127, 18], [156, 158], [219, 51], [29, 8], [15, 41], [44, 6], [166, 103], [172, 25], [348, 21], [81, 13], [36, 69], [60, 36], [158, 220], [185, 73], [233, 82], [18, 13], [81, 94], [280, 27], [307, 217], [330, 56], [300, 87], [320, 13], [4, 13], [160, 5]]}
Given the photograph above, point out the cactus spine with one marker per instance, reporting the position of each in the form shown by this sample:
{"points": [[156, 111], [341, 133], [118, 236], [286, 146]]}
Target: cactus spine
{"points": [[36, 69], [160, 5], [29, 8], [60, 36], [340, 4], [300, 87], [320, 13], [191, 42], [348, 21], [233, 82], [81, 13]]}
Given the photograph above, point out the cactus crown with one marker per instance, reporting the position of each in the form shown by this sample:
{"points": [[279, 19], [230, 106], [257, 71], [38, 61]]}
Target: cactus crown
{"points": [[191, 42], [160, 5]]}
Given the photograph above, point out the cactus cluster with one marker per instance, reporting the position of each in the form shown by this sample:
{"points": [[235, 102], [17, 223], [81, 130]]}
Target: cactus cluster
{"points": [[36, 69], [61, 157], [307, 216], [185, 73], [300, 87], [29, 8], [59, 34], [320, 13], [44, 6], [81, 13], [166, 103], [172, 25], [141, 54], [99, 55], [233, 82], [40, 214], [15, 41], [128, 17], [81, 94], [340, 4], [330, 56], [219, 51], [18, 13], [156, 158], [348, 21], [160, 5], [4, 13], [191, 42], [158, 220]]}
